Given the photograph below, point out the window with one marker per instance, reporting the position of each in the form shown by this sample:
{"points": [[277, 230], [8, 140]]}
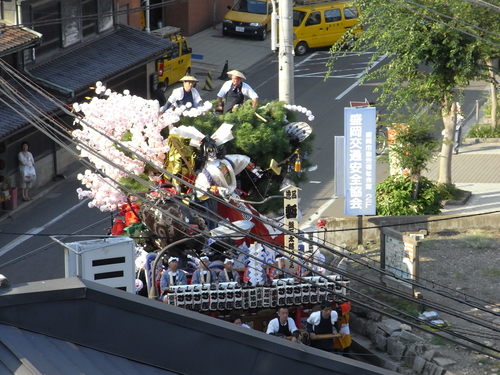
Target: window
{"points": [[350, 13], [41, 16], [71, 31], [123, 11], [298, 17], [89, 20], [105, 15], [184, 47], [332, 15], [314, 19]]}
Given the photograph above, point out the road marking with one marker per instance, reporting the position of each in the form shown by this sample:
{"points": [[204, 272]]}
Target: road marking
{"points": [[347, 90], [25, 237], [306, 59], [314, 182], [318, 214]]}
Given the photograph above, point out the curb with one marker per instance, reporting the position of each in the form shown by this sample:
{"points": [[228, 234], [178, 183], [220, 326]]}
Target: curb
{"points": [[458, 202], [44, 190]]}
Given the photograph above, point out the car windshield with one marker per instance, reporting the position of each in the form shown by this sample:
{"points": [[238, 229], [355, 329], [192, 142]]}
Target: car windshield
{"points": [[251, 6], [298, 17]]}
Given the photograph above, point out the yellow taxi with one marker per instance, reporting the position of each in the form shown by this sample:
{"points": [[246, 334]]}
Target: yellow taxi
{"points": [[322, 24], [248, 17], [176, 62]]}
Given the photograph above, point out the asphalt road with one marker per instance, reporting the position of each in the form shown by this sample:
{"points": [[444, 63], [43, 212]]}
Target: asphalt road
{"points": [[326, 98], [26, 257]]}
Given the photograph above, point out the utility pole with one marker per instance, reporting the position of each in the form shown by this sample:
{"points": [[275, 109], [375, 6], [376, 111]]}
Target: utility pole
{"points": [[285, 52]]}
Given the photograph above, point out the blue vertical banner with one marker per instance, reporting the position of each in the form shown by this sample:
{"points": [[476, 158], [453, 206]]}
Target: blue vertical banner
{"points": [[360, 160]]}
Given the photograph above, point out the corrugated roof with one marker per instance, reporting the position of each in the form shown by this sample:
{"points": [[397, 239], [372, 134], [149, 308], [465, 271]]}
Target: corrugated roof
{"points": [[25, 352], [82, 67], [15, 38]]}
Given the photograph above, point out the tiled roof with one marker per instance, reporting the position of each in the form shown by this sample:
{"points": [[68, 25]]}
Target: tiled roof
{"points": [[82, 67], [13, 38], [12, 115]]}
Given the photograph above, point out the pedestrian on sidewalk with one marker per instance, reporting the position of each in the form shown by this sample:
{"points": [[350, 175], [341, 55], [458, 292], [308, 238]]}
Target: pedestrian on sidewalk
{"points": [[234, 91], [27, 170], [186, 95]]}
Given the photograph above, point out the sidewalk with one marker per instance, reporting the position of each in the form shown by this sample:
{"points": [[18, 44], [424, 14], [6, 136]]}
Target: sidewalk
{"points": [[474, 169], [214, 49]]}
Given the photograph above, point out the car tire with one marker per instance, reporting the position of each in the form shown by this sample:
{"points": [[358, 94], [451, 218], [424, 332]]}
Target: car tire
{"points": [[224, 32], [263, 34], [166, 82], [301, 49]]}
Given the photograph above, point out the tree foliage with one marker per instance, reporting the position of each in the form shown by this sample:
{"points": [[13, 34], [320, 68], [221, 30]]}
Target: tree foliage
{"points": [[431, 55]]}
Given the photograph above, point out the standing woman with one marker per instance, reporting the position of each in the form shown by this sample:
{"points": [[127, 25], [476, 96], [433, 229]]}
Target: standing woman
{"points": [[27, 170]]}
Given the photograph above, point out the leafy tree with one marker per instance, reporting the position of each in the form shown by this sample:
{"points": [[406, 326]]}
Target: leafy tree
{"points": [[431, 54], [412, 148]]}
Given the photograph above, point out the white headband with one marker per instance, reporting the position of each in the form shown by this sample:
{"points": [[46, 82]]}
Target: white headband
{"points": [[226, 261], [173, 259]]}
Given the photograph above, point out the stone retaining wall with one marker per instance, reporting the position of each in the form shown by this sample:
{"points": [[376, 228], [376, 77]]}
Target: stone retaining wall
{"points": [[394, 346]]}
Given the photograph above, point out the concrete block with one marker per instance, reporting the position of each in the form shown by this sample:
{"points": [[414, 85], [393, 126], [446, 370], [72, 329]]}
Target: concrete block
{"points": [[391, 365], [395, 348], [371, 330], [409, 337], [381, 342], [358, 325], [438, 370], [372, 315], [389, 326], [418, 364], [443, 362], [429, 354], [427, 368]]}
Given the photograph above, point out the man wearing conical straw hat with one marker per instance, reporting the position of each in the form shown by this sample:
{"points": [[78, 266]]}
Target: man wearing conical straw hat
{"points": [[233, 92], [186, 95]]}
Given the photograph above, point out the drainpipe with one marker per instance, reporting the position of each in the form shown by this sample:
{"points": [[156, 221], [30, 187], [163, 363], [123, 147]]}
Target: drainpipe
{"points": [[147, 16], [18, 11]]}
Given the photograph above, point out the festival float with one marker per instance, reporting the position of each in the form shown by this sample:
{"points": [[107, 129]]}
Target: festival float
{"points": [[193, 173]]}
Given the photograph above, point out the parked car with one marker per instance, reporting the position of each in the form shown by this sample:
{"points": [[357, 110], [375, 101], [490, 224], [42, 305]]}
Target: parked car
{"points": [[321, 25], [176, 63], [248, 17]]}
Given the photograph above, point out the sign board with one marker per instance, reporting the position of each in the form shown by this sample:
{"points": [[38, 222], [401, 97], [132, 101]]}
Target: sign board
{"points": [[291, 211], [360, 161], [399, 253]]}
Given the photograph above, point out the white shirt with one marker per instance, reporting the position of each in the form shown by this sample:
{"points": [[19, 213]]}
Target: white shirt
{"points": [[178, 94], [274, 326], [245, 90], [315, 318]]}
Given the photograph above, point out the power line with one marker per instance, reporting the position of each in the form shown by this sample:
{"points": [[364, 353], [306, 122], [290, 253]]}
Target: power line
{"points": [[268, 244]]}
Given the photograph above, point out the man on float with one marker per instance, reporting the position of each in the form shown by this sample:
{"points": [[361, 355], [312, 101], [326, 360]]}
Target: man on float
{"points": [[321, 327], [233, 92], [172, 276], [283, 326], [228, 274], [186, 95], [204, 275]]}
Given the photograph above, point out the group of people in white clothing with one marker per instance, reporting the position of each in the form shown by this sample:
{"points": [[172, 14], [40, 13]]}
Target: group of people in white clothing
{"points": [[230, 96]]}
